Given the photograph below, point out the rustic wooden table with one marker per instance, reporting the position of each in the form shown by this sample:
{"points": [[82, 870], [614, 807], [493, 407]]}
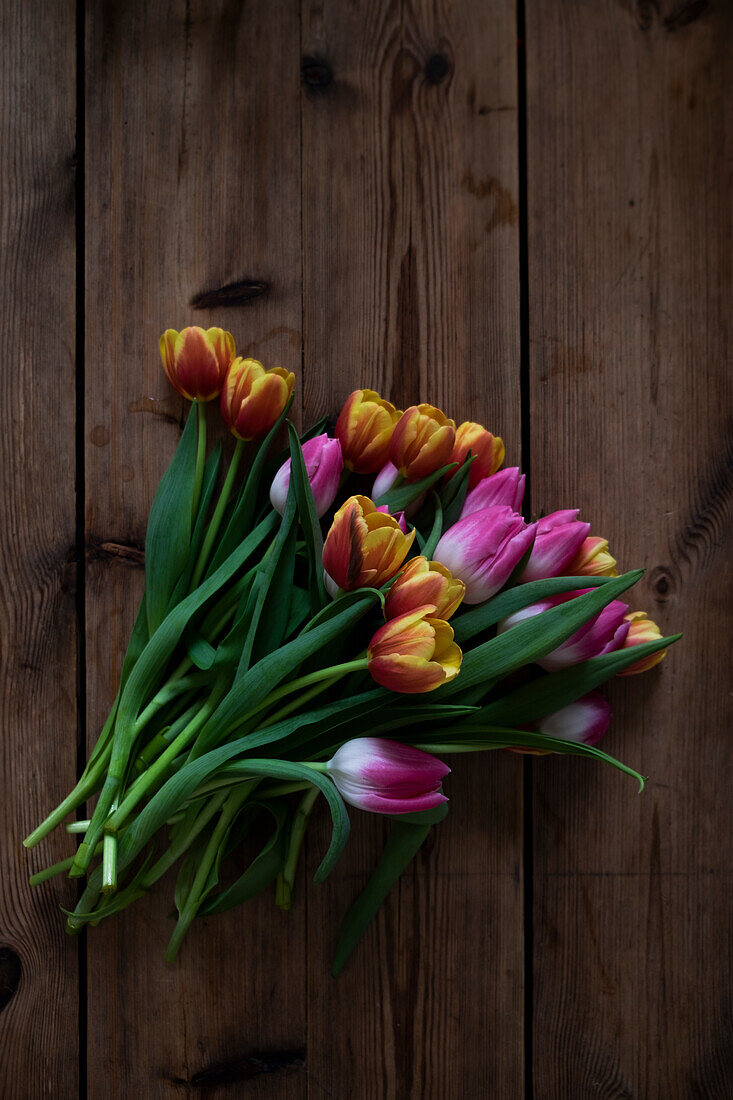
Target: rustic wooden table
{"points": [[521, 212]]}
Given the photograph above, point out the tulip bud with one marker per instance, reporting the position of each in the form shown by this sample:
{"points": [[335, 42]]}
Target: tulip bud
{"points": [[642, 629], [364, 430], [559, 538], [585, 721], [424, 582], [196, 360], [422, 441], [323, 465], [592, 560], [488, 452], [384, 480], [603, 633], [364, 547], [386, 777], [399, 516], [253, 398], [484, 549], [504, 487], [414, 652]]}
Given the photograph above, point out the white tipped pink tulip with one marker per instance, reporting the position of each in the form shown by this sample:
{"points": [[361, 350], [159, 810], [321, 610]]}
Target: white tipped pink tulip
{"points": [[504, 487], [586, 720], [323, 464], [384, 480], [386, 777], [604, 633], [560, 536], [484, 549]]}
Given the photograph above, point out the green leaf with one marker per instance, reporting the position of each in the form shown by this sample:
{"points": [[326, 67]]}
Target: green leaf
{"points": [[453, 496], [168, 538], [201, 652], [287, 770], [263, 579], [509, 738], [253, 688], [398, 499], [300, 606], [556, 690], [211, 472], [309, 521], [470, 623], [403, 844], [428, 549], [534, 638], [263, 869]]}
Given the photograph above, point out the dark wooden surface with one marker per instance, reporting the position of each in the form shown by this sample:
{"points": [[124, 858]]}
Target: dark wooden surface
{"points": [[519, 212]]}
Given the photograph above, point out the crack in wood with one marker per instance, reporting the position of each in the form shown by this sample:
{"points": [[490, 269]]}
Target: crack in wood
{"points": [[232, 294]]}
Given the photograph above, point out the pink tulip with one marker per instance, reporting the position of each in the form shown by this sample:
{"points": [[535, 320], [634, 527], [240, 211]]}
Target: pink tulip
{"points": [[604, 633], [504, 487], [586, 720], [559, 538], [323, 464], [399, 516], [484, 549], [386, 777], [384, 480]]}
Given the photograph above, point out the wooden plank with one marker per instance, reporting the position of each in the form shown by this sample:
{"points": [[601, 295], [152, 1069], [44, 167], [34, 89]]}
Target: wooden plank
{"points": [[630, 291], [192, 185], [411, 287], [38, 963]]}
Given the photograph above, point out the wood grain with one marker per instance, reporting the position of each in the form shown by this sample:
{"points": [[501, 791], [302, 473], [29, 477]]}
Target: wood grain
{"points": [[38, 625], [192, 185], [411, 286], [629, 112]]}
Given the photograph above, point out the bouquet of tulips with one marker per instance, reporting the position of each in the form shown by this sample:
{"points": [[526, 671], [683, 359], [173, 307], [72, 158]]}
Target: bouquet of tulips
{"points": [[324, 625]]}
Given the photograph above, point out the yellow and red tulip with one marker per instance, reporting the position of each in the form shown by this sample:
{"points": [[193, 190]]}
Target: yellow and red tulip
{"points": [[422, 441], [365, 547], [424, 582], [642, 629], [253, 398], [364, 430], [488, 450], [592, 560], [414, 652], [196, 360]]}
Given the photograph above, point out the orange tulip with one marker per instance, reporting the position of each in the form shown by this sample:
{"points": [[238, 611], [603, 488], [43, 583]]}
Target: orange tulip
{"points": [[196, 360], [424, 582], [364, 547], [422, 441], [488, 450], [364, 430], [592, 560], [642, 629], [253, 398], [414, 652]]}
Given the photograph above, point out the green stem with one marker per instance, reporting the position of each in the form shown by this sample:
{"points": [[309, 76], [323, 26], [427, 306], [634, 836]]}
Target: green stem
{"points": [[229, 811], [294, 704], [331, 674], [217, 517], [57, 868], [278, 789], [87, 785], [297, 833], [145, 781], [200, 456]]}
